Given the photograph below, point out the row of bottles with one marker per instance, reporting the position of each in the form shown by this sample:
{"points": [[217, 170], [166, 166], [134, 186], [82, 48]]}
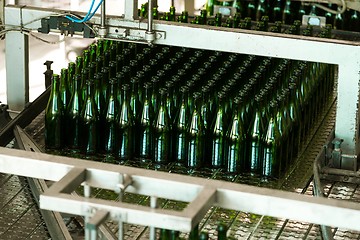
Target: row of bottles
{"points": [[195, 108], [281, 11], [166, 234]]}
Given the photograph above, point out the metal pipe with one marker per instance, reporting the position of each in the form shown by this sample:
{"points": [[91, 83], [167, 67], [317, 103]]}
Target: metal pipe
{"points": [[150, 16], [153, 204], [103, 14], [318, 192], [102, 29], [87, 193]]}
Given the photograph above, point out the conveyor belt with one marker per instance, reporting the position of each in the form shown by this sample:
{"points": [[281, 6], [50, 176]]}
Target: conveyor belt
{"points": [[19, 215]]}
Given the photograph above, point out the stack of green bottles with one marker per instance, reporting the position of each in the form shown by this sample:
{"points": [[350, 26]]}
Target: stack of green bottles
{"points": [[194, 108], [275, 12]]}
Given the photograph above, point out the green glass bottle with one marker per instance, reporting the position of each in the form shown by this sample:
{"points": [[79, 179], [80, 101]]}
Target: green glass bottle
{"points": [[181, 126], [237, 20], [113, 53], [171, 99], [64, 89], [90, 121], [99, 64], [246, 24], [71, 75], [301, 11], [86, 58], [203, 236], [287, 15], [92, 52], [294, 111], [272, 158], [330, 17], [354, 22], [196, 133], [144, 10], [125, 127], [313, 11], [135, 98], [154, 95], [184, 17], [78, 64], [218, 144], [54, 116], [218, 19], [194, 233], [164, 234], [174, 235], [146, 135], [221, 231], [255, 134], [110, 129], [251, 10], [236, 137], [210, 7], [277, 11], [229, 23], [172, 14], [136, 109], [239, 7], [203, 16], [99, 47], [84, 78], [107, 44], [262, 9], [106, 58], [155, 13], [162, 142], [74, 116]]}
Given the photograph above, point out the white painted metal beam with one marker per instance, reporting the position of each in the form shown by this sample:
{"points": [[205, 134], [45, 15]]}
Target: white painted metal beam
{"points": [[268, 202]]}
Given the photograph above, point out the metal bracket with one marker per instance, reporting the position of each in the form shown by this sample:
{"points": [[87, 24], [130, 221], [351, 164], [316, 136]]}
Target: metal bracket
{"points": [[65, 26], [336, 153], [124, 181], [96, 220], [133, 34], [48, 73], [342, 161]]}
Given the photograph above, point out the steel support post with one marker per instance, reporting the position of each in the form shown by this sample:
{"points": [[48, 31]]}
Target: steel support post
{"points": [[347, 114], [17, 63], [17, 69], [131, 8]]}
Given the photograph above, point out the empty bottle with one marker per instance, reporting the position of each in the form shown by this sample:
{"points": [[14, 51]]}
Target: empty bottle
{"points": [[54, 116], [74, 117], [90, 121], [236, 140], [146, 128], [110, 123], [125, 127], [196, 135], [162, 132]]}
